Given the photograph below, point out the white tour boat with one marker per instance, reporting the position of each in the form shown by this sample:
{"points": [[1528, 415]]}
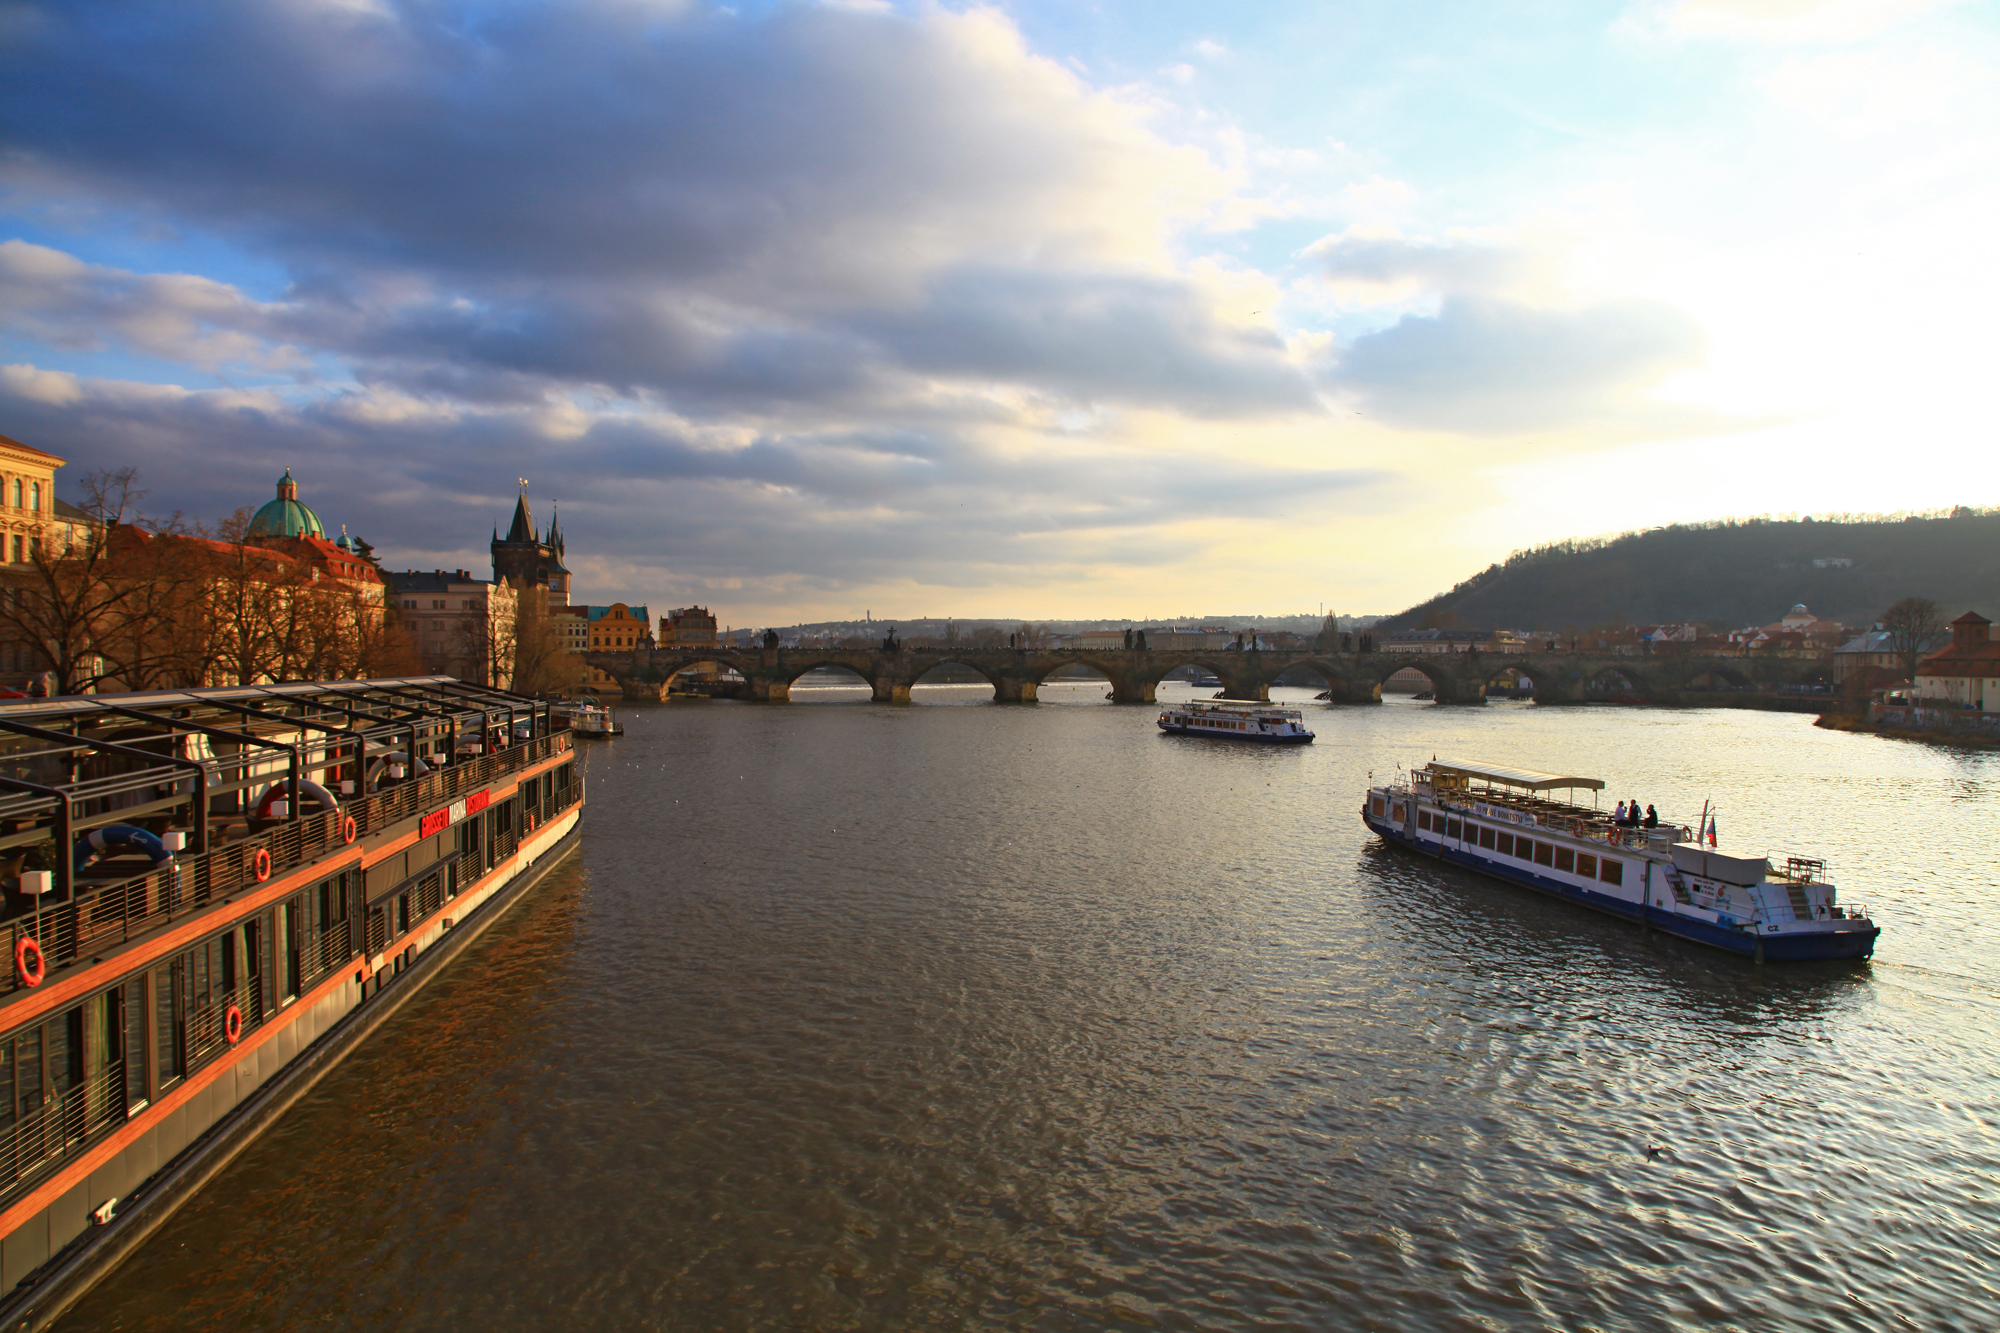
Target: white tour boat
{"points": [[1237, 720], [593, 721], [1504, 822]]}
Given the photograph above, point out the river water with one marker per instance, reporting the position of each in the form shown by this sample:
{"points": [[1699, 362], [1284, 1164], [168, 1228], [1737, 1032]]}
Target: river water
{"points": [[869, 1017]]}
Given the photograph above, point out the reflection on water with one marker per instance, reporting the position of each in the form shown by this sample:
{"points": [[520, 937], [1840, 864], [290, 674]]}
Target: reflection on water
{"points": [[954, 1017]]}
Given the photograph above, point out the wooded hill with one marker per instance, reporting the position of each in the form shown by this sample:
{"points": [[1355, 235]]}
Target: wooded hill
{"points": [[1733, 573]]}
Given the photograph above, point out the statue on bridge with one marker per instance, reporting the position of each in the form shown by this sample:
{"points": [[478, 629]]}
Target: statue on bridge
{"points": [[770, 638], [891, 644]]}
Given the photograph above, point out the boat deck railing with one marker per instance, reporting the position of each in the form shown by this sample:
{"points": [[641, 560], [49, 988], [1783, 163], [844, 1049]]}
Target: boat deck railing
{"points": [[1563, 817], [109, 912]]}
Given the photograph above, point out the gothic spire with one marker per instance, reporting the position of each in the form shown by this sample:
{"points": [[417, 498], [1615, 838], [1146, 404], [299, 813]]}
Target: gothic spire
{"points": [[523, 529]]}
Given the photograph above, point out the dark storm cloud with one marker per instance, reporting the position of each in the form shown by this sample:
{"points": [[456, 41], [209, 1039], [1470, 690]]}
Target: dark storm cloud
{"points": [[752, 287], [608, 195], [1490, 366], [1090, 337], [819, 508]]}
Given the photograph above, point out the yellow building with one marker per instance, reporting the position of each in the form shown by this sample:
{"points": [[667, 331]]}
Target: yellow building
{"points": [[30, 515], [618, 628]]}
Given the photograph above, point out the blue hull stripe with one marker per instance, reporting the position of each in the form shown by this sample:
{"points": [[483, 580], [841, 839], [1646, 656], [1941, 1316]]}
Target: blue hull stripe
{"points": [[1777, 948], [1207, 735]]}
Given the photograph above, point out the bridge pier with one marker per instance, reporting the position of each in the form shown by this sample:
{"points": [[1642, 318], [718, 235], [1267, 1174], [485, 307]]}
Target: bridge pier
{"points": [[766, 690], [1131, 688], [889, 690], [1013, 690]]}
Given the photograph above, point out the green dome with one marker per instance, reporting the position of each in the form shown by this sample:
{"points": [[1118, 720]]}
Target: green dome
{"points": [[287, 516]]}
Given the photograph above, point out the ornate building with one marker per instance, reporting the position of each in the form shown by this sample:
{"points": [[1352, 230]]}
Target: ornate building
{"points": [[524, 560]]}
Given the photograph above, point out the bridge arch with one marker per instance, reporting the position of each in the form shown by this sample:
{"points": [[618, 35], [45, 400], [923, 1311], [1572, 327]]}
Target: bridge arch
{"points": [[1337, 686], [942, 669], [1614, 682], [1444, 683], [1511, 680], [1716, 676], [699, 674], [1072, 686], [840, 675]]}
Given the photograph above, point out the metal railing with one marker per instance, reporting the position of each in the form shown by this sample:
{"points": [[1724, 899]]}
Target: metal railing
{"points": [[109, 914], [61, 1127]]}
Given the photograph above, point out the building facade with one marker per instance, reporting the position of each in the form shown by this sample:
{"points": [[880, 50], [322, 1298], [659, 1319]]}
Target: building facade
{"points": [[30, 515], [688, 627], [462, 626], [1966, 672], [618, 628]]}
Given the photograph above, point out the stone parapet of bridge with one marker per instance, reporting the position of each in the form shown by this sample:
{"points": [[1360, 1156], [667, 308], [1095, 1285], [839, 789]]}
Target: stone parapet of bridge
{"points": [[1016, 675]]}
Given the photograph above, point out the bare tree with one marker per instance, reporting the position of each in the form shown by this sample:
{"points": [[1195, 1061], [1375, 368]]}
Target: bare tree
{"points": [[1912, 622], [542, 661], [155, 636], [484, 638], [253, 612], [1328, 638], [70, 590]]}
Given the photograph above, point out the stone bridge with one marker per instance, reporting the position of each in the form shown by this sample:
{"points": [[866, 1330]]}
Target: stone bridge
{"points": [[1017, 674]]}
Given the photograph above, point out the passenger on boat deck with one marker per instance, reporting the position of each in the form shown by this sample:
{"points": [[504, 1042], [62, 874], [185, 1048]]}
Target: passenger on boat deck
{"points": [[1632, 812], [1618, 816], [1652, 817]]}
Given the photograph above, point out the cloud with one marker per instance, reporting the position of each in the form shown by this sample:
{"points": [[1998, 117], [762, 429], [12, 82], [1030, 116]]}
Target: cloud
{"points": [[1497, 367], [57, 298], [734, 214], [1488, 339], [1391, 266], [653, 490]]}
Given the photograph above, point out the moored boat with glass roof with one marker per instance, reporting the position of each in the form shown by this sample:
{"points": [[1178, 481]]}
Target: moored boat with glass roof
{"points": [[1510, 823], [212, 895]]}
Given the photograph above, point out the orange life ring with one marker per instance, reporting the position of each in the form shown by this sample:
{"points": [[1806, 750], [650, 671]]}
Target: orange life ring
{"points": [[348, 830], [260, 864], [232, 1024], [29, 964], [1613, 837]]}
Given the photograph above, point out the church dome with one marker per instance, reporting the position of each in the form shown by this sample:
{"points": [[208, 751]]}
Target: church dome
{"points": [[287, 516]]}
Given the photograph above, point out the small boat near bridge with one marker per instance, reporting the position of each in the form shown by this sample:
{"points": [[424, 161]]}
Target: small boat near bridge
{"points": [[1237, 720]]}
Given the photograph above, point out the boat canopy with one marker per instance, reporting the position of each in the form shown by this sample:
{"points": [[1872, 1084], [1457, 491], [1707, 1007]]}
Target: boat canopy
{"points": [[1524, 778]]}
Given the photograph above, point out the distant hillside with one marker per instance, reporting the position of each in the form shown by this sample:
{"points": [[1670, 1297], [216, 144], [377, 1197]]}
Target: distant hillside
{"points": [[1735, 573]]}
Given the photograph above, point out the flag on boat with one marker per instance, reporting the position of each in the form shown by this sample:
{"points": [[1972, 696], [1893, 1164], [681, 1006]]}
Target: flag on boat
{"points": [[1711, 830]]}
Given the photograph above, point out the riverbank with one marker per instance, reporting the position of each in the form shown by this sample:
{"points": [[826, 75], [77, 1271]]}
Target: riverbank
{"points": [[1976, 731]]}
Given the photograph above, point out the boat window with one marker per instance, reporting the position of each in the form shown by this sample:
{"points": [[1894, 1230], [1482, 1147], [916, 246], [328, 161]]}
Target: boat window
{"points": [[1586, 865], [1545, 854], [1451, 828], [1486, 838], [1375, 805], [1505, 844], [1565, 859], [1610, 871], [1424, 820]]}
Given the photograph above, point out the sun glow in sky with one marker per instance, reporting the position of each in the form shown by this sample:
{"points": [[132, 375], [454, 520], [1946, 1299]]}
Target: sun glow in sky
{"points": [[1043, 309]]}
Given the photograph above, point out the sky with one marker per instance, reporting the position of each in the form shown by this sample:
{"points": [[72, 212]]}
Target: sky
{"points": [[1053, 309]]}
